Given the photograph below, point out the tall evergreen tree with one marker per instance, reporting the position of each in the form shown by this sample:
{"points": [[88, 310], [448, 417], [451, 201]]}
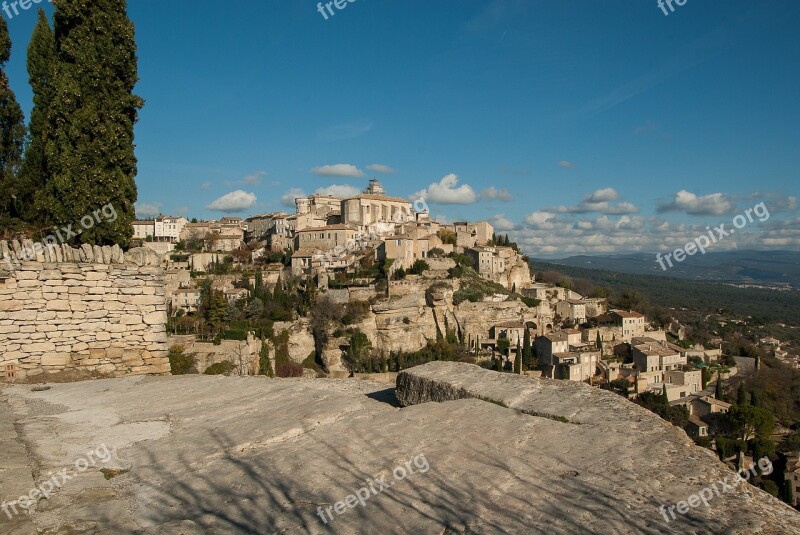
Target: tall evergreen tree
{"points": [[741, 395], [718, 388], [12, 133], [527, 351], [518, 359], [89, 149], [41, 66]]}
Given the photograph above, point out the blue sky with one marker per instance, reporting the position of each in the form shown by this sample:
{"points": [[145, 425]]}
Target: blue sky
{"points": [[576, 126]]}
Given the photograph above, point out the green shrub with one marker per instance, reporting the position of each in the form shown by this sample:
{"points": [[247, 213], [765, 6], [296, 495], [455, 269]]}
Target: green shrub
{"points": [[234, 334], [310, 363], [179, 362], [530, 301], [220, 368]]}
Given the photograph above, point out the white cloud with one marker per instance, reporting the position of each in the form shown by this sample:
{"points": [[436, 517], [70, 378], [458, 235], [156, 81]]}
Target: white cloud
{"points": [[501, 222], [254, 179], [343, 191], [541, 220], [235, 201], [494, 194], [147, 210], [565, 164], [447, 191], [380, 168], [599, 202], [205, 185], [339, 169], [288, 198], [688, 202], [602, 195]]}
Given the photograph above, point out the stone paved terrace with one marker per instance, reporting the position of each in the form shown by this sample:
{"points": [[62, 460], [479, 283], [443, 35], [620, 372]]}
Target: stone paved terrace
{"points": [[212, 454]]}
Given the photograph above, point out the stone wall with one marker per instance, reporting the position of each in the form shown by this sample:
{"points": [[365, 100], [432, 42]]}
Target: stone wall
{"points": [[92, 310], [243, 354]]}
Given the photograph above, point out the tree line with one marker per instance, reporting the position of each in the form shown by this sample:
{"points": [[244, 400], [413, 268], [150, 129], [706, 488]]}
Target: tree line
{"points": [[76, 153]]}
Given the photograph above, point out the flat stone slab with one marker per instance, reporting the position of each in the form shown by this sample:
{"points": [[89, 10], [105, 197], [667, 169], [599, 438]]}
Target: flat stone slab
{"points": [[646, 461], [211, 454]]}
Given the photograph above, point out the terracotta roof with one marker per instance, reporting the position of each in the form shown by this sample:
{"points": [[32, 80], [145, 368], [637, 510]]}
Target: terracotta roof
{"points": [[627, 314]]}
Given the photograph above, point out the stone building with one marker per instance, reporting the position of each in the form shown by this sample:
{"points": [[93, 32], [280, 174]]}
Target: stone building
{"points": [[374, 206], [324, 239]]}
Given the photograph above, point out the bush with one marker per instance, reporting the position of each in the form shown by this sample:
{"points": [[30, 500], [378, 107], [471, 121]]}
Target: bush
{"points": [[179, 362], [234, 334], [355, 311], [289, 369], [310, 363], [530, 301], [220, 368], [419, 267]]}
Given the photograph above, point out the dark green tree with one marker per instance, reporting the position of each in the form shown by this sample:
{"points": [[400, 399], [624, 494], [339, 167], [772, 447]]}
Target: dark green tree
{"points": [[664, 397], [518, 359], [718, 388], [706, 376], [751, 422], [41, 67], [89, 149], [12, 133], [358, 354], [527, 351], [741, 395], [599, 343]]}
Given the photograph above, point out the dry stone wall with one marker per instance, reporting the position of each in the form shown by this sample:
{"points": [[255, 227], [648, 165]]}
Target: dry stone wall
{"points": [[93, 310]]}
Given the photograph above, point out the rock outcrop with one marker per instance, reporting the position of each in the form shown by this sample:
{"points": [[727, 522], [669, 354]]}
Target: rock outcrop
{"points": [[203, 454], [593, 436]]}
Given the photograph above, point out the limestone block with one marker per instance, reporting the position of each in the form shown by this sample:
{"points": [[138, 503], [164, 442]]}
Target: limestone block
{"points": [[56, 359]]}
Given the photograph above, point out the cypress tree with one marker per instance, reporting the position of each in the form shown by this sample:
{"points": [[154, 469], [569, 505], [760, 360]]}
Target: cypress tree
{"points": [[527, 351], [518, 359], [90, 150], [718, 388], [741, 395], [12, 133], [41, 66]]}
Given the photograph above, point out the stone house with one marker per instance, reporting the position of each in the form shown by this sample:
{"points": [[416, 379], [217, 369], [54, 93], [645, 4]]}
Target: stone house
{"points": [[186, 299]]}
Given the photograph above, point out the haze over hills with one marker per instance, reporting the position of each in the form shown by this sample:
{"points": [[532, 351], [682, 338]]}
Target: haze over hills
{"points": [[747, 266]]}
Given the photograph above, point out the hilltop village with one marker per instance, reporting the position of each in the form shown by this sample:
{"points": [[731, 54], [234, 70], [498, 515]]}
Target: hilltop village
{"points": [[372, 283]]}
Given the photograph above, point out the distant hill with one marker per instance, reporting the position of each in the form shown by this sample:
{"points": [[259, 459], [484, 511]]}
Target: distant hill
{"points": [[753, 267]]}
